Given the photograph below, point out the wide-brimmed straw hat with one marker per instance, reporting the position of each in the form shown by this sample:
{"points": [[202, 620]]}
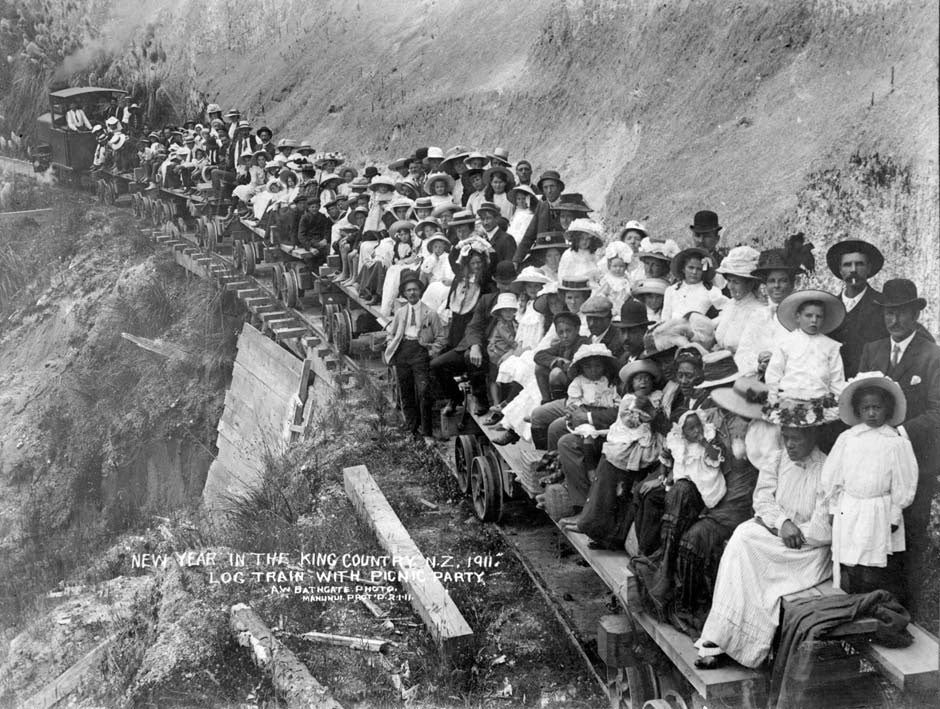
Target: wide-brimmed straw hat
{"points": [[880, 381], [530, 274], [445, 208], [630, 370], [381, 180], [835, 310], [475, 155], [579, 286], [650, 286], [399, 202], [741, 262], [665, 250], [428, 221], [589, 227], [455, 154], [213, 108], [899, 292], [505, 301], [746, 398], [634, 225], [400, 225], [437, 236], [434, 177], [585, 352], [834, 255], [464, 216], [408, 187], [513, 193], [503, 170], [396, 165], [499, 156]]}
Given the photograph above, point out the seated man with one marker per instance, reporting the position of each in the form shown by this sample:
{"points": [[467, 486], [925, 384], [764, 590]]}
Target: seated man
{"points": [[76, 119], [782, 550]]}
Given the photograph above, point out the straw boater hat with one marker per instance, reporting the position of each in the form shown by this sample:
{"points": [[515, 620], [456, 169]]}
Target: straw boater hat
{"points": [[359, 184], [549, 240], [835, 310], [409, 277], [286, 143], [580, 286], [488, 207], [500, 169], [664, 250], [598, 350], [629, 371], [305, 145], [834, 255], [434, 177], [475, 155], [437, 236], [500, 156], [746, 398], [505, 301], [455, 154], [530, 274], [400, 225], [408, 187], [650, 286], [591, 228], [880, 381], [464, 216], [741, 262]]}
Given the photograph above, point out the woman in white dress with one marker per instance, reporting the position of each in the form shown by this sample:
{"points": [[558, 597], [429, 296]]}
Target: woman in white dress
{"points": [[737, 268]]}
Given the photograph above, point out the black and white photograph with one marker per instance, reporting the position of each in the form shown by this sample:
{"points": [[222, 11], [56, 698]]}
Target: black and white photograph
{"points": [[469, 354]]}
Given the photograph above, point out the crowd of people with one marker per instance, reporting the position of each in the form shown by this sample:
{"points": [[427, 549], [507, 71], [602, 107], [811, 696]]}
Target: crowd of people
{"points": [[744, 438]]}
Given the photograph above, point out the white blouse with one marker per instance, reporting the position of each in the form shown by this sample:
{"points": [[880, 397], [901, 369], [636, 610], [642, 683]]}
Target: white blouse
{"points": [[733, 319], [760, 334], [805, 366], [683, 298], [869, 477]]}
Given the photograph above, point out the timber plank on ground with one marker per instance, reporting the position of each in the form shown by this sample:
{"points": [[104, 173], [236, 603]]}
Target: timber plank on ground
{"points": [[428, 596], [70, 680]]}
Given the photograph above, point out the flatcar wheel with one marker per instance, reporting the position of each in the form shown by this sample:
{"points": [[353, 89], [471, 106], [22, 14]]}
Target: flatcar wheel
{"points": [[485, 489], [670, 700], [277, 279], [643, 683], [156, 212], [328, 313], [249, 262], [342, 332], [238, 257], [291, 289], [466, 448], [211, 236]]}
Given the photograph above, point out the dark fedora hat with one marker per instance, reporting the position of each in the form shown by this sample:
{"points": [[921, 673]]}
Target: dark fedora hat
{"points": [[899, 292], [409, 277], [854, 246], [550, 175], [773, 260], [573, 202], [549, 240], [632, 314], [705, 220]]}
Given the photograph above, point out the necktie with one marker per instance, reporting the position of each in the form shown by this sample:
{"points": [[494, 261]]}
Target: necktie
{"points": [[895, 355], [414, 321]]}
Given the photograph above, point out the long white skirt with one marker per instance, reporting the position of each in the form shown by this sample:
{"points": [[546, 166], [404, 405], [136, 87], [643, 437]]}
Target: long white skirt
{"points": [[756, 570]]}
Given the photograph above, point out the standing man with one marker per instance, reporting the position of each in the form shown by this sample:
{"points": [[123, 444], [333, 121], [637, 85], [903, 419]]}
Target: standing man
{"points": [[706, 233], [503, 244], [911, 358], [416, 336], [853, 262], [546, 216]]}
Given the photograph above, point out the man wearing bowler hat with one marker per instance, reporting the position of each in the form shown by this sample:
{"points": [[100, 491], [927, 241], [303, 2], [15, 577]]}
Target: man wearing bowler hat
{"points": [[910, 357], [546, 215], [853, 262], [706, 233], [633, 325]]}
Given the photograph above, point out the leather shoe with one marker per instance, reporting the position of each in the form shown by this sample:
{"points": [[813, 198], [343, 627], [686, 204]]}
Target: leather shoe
{"points": [[506, 439]]}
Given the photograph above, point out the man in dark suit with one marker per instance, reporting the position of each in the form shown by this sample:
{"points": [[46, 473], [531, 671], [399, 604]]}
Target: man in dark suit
{"points": [[469, 356], [503, 244], [854, 262], [546, 216], [910, 356]]}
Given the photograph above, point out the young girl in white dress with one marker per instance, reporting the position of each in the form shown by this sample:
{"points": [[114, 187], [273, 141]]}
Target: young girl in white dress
{"points": [[524, 200], [579, 261], [869, 478], [691, 294]]}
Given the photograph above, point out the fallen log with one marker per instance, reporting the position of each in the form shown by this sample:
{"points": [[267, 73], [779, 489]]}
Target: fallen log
{"points": [[368, 644], [291, 678], [428, 596]]}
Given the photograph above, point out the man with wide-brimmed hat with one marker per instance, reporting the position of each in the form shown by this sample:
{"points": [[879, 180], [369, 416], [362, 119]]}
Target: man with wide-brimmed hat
{"points": [[416, 335], [550, 185], [910, 357], [854, 262]]}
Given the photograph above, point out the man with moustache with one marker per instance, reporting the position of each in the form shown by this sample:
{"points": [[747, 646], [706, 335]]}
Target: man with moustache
{"points": [[853, 262]]}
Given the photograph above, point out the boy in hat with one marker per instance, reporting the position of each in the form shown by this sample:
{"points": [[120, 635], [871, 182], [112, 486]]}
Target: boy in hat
{"points": [[415, 337], [503, 244]]}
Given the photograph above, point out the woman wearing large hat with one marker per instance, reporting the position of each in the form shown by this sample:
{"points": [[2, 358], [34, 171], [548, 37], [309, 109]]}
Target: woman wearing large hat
{"points": [[656, 257], [738, 270], [546, 252]]}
